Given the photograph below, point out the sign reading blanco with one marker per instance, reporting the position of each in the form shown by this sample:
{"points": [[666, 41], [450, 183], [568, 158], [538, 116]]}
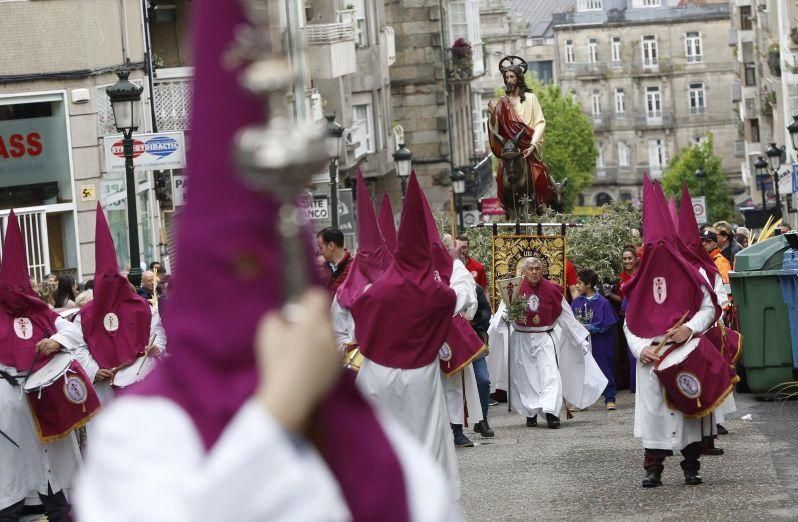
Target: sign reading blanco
{"points": [[160, 151]]}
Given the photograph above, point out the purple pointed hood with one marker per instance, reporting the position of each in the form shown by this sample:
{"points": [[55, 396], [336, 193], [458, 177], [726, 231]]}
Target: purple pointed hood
{"points": [[387, 224]]}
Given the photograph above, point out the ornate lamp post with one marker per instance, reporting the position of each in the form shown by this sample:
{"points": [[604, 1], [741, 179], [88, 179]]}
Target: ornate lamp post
{"points": [[792, 128], [126, 104], [700, 175], [458, 187], [334, 134], [761, 167], [774, 157], [404, 164]]}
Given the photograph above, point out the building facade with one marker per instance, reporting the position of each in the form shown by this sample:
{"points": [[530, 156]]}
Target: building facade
{"points": [[764, 36], [654, 76], [439, 52], [54, 113]]}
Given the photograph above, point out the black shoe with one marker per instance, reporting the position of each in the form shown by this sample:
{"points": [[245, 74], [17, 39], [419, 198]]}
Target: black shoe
{"points": [[712, 452], [553, 421], [493, 402], [652, 479], [531, 422], [461, 441], [483, 428], [692, 478], [722, 430]]}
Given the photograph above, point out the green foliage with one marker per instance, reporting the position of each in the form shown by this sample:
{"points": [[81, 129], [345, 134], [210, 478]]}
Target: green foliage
{"points": [[598, 244], [517, 310], [569, 144], [682, 168]]}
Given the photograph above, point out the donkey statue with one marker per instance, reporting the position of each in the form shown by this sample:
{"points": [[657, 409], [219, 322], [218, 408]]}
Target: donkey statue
{"points": [[515, 179]]}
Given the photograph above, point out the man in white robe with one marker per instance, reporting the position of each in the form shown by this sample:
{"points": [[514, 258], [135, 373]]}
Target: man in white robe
{"points": [[34, 469], [549, 354]]}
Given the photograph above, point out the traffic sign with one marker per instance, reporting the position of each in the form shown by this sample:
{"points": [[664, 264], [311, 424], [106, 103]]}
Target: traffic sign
{"points": [[700, 209]]}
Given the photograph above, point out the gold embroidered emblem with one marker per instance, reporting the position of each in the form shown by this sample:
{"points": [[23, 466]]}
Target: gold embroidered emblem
{"points": [[536, 319]]}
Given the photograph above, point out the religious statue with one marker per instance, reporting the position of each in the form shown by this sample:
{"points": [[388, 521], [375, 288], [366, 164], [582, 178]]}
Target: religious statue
{"points": [[516, 132]]}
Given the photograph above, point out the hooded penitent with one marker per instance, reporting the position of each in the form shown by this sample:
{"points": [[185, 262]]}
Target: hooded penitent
{"points": [[408, 294], [666, 285], [674, 213], [372, 256], [116, 323], [219, 294], [26, 319], [387, 225]]}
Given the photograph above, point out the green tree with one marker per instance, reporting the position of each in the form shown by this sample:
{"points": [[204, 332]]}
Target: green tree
{"points": [[569, 146], [682, 169]]}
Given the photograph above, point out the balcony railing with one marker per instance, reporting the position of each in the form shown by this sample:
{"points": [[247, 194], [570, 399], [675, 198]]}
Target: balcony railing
{"points": [[172, 99], [662, 66], [590, 70], [654, 120], [325, 34], [466, 61]]}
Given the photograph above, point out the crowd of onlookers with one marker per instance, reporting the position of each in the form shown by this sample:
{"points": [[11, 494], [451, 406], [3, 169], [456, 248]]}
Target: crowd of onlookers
{"points": [[64, 292]]}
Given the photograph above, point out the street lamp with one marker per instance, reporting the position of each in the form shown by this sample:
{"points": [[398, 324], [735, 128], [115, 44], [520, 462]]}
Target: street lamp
{"points": [[774, 157], [700, 175], [458, 186], [761, 167], [332, 142], [404, 164], [126, 104]]}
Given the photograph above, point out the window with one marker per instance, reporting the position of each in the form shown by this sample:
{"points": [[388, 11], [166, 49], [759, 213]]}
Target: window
{"points": [[361, 23], [458, 20], [693, 47], [650, 54], [616, 48], [650, 3], [746, 20], [620, 103], [600, 158], [792, 98], [362, 131], [755, 131], [595, 102], [750, 74], [697, 98], [592, 50], [602, 198], [656, 157], [623, 154], [653, 103], [590, 5], [569, 51]]}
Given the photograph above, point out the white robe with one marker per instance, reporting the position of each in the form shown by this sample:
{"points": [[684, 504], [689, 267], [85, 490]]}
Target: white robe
{"points": [[498, 338], [464, 286], [104, 389], [28, 469], [148, 463], [659, 426], [547, 367], [415, 398]]}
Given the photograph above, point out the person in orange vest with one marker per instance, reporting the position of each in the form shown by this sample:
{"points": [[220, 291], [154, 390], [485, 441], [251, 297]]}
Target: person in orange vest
{"points": [[709, 238]]}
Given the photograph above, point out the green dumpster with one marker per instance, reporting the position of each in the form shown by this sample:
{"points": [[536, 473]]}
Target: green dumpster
{"points": [[764, 321]]}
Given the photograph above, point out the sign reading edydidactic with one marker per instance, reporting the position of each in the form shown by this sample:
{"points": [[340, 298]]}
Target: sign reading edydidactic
{"points": [[160, 151]]}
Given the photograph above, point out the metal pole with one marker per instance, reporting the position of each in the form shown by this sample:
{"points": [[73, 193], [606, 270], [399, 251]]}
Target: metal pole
{"points": [[459, 202], [404, 186], [334, 192], [764, 197], [134, 276], [778, 195]]}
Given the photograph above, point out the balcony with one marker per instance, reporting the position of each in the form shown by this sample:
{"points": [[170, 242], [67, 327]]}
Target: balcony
{"points": [[662, 120], [662, 67], [586, 70], [466, 61], [602, 122], [172, 98], [331, 50]]}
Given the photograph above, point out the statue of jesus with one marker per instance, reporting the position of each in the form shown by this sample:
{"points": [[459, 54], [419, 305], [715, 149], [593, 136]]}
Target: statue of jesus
{"points": [[519, 112]]}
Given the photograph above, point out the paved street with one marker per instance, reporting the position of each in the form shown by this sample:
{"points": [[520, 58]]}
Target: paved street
{"points": [[591, 468]]}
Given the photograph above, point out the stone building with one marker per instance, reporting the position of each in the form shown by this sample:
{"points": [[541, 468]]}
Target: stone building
{"points": [[765, 39], [431, 87], [59, 58], [655, 76]]}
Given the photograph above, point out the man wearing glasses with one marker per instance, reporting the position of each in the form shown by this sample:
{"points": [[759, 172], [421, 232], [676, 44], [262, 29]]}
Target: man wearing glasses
{"points": [[710, 241]]}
